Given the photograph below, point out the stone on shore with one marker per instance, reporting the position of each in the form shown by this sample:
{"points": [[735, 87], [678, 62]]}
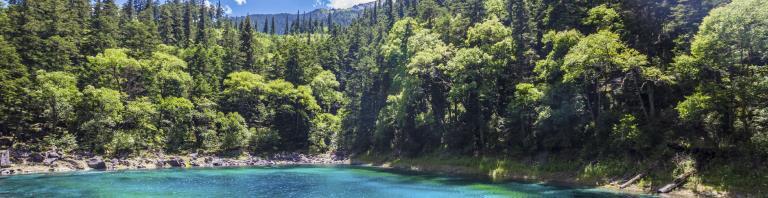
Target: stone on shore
{"points": [[7, 171], [176, 162], [5, 159], [37, 157], [97, 163]]}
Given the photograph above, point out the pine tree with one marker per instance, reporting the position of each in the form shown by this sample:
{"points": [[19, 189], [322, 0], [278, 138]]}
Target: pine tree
{"points": [[141, 38], [287, 28], [202, 34], [178, 23], [129, 11], [147, 15], [104, 26], [310, 25], [168, 25], [46, 36], [81, 11], [389, 9], [187, 23], [272, 29], [219, 11], [246, 44], [331, 26], [233, 58], [14, 83], [266, 26]]}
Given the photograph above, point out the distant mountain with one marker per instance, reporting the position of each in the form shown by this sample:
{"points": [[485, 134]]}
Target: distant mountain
{"points": [[342, 17]]}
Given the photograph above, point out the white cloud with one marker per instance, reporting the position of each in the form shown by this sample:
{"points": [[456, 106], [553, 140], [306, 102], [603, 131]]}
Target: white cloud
{"points": [[227, 9], [240, 2], [341, 4]]}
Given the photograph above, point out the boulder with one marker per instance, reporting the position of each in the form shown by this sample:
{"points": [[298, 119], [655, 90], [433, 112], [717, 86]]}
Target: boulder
{"points": [[52, 154], [49, 161], [5, 159], [74, 164], [217, 162], [6, 142], [176, 162], [37, 157], [97, 163], [7, 171]]}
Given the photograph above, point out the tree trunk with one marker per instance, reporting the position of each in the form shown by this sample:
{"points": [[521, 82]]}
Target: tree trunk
{"points": [[631, 181], [675, 183]]}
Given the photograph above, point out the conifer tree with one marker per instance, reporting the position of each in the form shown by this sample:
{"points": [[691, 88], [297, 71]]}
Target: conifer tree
{"points": [[272, 28], [246, 44], [265, 29], [168, 25], [187, 22], [104, 27], [47, 35], [202, 34]]}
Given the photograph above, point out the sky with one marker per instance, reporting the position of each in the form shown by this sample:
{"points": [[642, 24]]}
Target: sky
{"points": [[244, 7]]}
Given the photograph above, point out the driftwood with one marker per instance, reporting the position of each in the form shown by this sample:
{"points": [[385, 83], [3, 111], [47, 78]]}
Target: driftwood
{"points": [[632, 181], [675, 183]]}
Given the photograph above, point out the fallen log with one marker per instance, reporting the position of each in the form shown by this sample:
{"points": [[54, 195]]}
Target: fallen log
{"points": [[675, 183], [632, 181]]}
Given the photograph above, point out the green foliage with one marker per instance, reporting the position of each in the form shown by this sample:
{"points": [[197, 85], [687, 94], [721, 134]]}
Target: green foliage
{"points": [[604, 18], [600, 54], [324, 88], [101, 112], [626, 132], [235, 134], [527, 93], [496, 8], [65, 142], [114, 69], [141, 38], [57, 98], [561, 42], [480, 78], [141, 120], [176, 122], [324, 133], [694, 106]]}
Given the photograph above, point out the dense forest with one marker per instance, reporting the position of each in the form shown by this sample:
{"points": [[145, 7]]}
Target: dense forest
{"points": [[641, 80]]}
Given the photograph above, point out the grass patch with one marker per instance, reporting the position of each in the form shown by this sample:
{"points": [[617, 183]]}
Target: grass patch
{"points": [[724, 178]]}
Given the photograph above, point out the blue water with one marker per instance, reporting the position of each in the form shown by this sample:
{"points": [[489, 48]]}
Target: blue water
{"points": [[291, 181]]}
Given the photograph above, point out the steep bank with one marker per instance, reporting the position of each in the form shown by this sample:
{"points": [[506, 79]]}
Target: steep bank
{"points": [[607, 175], [47, 162]]}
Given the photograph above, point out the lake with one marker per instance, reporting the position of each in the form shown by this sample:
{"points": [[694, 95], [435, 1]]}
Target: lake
{"points": [[286, 181]]}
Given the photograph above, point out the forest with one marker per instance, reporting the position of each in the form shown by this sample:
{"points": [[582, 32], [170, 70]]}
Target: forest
{"points": [[644, 81]]}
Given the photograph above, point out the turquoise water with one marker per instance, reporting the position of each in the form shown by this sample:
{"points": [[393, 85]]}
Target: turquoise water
{"points": [[295, 181]]}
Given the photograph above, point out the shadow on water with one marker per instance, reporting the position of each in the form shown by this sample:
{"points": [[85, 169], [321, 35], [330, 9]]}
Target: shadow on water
{"points": [[279, 181], [416, 177]]}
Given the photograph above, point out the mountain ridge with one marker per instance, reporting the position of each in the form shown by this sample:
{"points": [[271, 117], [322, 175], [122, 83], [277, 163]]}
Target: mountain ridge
{"points": [[342, 17]]}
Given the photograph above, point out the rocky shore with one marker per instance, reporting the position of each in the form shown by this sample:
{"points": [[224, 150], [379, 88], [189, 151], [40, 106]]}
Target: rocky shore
{"points": [[12, 163]]}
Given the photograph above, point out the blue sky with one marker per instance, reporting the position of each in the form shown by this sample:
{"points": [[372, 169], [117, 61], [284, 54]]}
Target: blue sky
{"points": [[243, 7]]}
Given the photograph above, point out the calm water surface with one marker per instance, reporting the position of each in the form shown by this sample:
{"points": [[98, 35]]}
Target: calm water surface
{"points": [[293, 181]]}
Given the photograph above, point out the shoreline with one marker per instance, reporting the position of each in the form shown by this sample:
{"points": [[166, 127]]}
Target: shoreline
{"points": [[564, 179], [74, 163], [53, 163]]}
